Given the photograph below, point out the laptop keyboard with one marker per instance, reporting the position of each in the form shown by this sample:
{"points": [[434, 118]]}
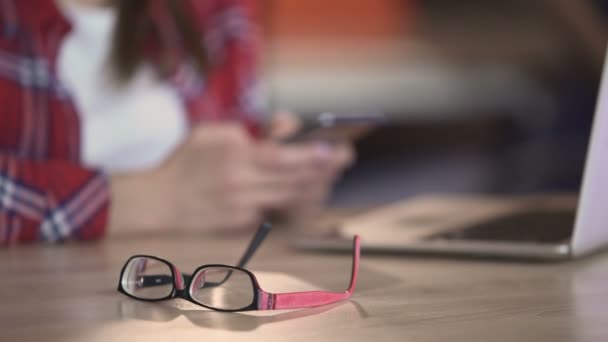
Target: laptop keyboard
{"points": [[530, 226]]}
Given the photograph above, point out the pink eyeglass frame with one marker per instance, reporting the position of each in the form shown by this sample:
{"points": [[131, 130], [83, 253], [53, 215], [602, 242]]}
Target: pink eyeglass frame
{"points": [[296, 300], [262, 300]]}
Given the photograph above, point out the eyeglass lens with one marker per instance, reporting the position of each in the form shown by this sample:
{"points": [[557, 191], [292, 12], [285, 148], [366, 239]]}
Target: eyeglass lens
{"points": [[222, 288], [147, 278]]}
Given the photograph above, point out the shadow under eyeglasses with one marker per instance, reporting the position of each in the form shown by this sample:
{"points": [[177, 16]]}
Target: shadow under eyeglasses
{"points": [[170, 310]]}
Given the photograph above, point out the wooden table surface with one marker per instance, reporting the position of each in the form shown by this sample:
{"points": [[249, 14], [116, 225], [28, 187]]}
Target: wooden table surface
{"points": [[68, 293]]}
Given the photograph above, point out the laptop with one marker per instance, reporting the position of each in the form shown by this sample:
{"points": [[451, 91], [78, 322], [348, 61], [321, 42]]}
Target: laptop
{"points": [[541, 227]]}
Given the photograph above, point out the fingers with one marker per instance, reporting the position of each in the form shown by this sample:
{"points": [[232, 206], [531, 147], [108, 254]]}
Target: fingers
{"points": [[228, 181], [301, 174], [263, 190], [344, 155], [274, 157], [211, 212], [218, 143], [283, 125]]}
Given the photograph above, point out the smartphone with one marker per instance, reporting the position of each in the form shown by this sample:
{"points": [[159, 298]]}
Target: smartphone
{"points": [[334, 127]]}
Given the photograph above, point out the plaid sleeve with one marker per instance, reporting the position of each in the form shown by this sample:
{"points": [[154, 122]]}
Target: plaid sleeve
{"points": [[239, 55], [232, 39], [50, 201]]}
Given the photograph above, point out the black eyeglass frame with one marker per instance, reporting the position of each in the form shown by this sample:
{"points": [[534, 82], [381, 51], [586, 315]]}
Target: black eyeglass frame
{"points": [[262, 300], [184, 292]]}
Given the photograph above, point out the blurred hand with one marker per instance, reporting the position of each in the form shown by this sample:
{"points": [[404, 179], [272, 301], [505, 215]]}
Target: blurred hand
{"points": [[333, 159], [221, 179]]}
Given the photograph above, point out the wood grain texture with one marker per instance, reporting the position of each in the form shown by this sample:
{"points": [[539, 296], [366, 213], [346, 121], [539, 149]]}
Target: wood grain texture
{"points": [[68, 293]]}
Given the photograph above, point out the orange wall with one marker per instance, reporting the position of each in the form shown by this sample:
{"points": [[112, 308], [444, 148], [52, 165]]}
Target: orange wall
{"points": [[344, 18]]}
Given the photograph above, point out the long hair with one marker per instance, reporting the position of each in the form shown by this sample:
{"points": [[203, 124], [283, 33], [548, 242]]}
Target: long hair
{"points": [[141, 33]]}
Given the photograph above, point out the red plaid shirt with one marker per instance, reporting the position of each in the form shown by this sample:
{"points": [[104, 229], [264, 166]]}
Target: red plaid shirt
{"points": [[46, 194]]}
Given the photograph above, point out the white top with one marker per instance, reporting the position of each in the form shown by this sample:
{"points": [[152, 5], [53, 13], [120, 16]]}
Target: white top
{"points": [[133, 126]]}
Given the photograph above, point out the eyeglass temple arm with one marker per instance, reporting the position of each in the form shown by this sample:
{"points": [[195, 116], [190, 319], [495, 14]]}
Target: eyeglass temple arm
{"points": [[296, 300], [258, 238], [255, 243]]}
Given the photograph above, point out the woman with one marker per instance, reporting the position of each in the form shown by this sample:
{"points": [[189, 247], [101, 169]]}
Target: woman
{"points": [[141, 116]]}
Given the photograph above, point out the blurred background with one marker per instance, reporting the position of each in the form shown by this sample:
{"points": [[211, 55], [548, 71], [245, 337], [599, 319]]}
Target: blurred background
{"points": [[483, 96]]}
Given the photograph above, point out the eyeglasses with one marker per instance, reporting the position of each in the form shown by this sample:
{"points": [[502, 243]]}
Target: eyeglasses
{"points": [[221, 287]]}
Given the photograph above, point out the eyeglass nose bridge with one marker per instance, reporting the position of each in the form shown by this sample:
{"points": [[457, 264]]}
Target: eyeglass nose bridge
{"points": [[180, 283], [181, 293]]}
